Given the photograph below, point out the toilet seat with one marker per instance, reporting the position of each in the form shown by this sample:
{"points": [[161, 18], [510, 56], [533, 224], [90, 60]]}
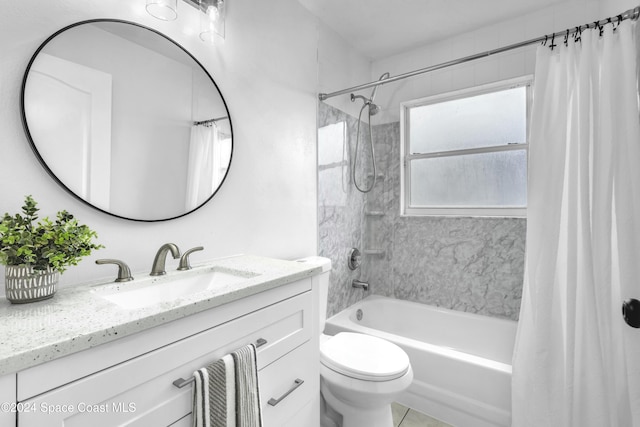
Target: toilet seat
{"points": [[364, 357]]}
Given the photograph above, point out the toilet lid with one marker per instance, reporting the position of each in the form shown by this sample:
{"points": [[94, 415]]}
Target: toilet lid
{"points": [[364, 357]]}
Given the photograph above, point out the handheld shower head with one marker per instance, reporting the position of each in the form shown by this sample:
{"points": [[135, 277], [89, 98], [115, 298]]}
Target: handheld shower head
{"points": [[354, 97], [373, 110], [375, 89], [369, 101]]}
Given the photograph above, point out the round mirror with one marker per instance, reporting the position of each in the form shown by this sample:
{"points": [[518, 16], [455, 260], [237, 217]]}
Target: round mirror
{"points": [[126, 120]]}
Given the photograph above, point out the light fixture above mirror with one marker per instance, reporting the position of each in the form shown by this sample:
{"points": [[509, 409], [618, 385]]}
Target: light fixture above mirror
{"points": [[166, 10], [212, 15], [212, 21]]}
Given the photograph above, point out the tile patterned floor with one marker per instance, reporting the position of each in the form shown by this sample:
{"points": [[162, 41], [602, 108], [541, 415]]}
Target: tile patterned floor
{"points": [[405, 417]]}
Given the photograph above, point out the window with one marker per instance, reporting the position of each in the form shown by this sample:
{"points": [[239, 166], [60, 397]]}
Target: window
{"points": [[465, 152]]}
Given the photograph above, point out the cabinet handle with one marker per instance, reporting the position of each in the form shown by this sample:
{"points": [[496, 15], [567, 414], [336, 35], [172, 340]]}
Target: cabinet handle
{"points": [[181, 382], [297, 383]]}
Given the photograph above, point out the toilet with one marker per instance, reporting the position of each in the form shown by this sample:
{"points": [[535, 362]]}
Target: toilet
{"points": [[360, 375]]}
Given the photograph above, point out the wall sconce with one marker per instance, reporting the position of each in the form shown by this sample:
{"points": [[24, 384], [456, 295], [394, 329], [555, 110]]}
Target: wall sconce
{"points": [[211, 17], [166, 10], [212, 21]]}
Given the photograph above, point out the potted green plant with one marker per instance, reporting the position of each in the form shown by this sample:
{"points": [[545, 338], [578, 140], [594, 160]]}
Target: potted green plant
{"points": [[35, 253]]}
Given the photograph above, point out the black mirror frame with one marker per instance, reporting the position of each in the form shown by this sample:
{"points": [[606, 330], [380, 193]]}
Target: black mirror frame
{"points": [[50, 172]]}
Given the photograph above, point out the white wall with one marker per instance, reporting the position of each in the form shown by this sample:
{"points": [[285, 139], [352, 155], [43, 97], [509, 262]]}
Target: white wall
{"points": [[340, 66], [503, 66], [266, 69], [614, 7]]}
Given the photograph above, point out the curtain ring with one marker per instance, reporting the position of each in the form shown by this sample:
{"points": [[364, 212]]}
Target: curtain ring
{"points": [[577, 34], [615, 27], [566, 38], [546, 37], [596, 25], [553, 38]]}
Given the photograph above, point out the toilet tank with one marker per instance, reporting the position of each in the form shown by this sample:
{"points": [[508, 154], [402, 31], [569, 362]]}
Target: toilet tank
{"points": [[322, 282]]}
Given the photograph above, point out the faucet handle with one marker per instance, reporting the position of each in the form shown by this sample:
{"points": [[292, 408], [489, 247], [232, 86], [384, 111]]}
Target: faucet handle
{"points": [[184, 260], [124, 274]]}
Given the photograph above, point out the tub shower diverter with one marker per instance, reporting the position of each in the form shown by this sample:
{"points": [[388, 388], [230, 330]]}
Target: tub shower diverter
{"points": [[150, 290]]}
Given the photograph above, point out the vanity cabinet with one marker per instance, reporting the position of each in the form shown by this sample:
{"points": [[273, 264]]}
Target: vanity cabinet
{"points": [[138, 390], [8, 400]]}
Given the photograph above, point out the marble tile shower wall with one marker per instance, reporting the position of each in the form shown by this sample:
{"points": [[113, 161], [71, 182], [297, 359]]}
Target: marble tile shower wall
{"points": [[468, 264]]}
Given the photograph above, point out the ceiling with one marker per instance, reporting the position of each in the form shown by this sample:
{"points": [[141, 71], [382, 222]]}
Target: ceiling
{"points": [[381, 28]]}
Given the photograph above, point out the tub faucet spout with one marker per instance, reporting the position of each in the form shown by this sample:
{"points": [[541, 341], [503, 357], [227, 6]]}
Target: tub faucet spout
{"points": [[359, 284], [161, 256]]}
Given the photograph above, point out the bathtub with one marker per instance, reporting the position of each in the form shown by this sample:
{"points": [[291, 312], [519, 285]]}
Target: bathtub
{"points": [[461, 361]]}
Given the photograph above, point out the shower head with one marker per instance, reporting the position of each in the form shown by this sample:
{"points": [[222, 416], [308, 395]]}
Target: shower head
{"points": [[373, 108]]}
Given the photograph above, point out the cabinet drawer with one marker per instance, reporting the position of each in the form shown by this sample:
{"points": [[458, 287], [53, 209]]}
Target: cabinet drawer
{"points": [[140, 392], [279, 378]]}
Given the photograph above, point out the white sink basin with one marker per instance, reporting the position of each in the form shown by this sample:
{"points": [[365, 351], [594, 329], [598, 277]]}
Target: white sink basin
{"points": [[151, 290]]}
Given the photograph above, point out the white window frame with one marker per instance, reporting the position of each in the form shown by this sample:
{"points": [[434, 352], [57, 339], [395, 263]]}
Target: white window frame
{"points": [[405, 157]]}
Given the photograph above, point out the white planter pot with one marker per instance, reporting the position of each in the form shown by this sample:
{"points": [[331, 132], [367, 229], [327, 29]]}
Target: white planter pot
{"points": [[24, 284]]}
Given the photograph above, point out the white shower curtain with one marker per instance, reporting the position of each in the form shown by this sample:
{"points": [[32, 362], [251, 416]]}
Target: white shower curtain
{"points": [[203, 172], [576, 362]]}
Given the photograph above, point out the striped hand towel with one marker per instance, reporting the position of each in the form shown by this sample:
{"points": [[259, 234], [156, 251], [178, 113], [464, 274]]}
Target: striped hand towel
{"points": [[226, 392]]}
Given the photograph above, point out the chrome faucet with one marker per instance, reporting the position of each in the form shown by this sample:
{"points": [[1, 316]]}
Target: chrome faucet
{"points": [[359, 284], [161, 256]]}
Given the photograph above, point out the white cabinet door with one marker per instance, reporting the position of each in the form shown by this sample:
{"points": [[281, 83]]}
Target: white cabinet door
{"points": [[8, 400]]}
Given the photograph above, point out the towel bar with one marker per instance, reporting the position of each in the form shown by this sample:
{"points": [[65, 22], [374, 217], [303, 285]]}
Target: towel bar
{"points": [[181, 382]]}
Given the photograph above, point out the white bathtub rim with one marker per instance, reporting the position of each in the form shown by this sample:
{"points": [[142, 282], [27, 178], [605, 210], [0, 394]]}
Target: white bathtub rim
{"points": [[447, 311], [437, 308], [343, 320]]}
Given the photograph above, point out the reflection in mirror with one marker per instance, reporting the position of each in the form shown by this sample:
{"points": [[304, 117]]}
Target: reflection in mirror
{"points": [[127, 120]]}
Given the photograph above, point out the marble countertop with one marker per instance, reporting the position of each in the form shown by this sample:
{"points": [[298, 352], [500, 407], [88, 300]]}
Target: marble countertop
{"points": [[76, 318]]}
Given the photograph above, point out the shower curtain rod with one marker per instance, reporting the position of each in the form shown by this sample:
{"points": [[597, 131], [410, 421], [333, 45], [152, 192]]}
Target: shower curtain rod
{"points": [[632, 14], [206, 122]]}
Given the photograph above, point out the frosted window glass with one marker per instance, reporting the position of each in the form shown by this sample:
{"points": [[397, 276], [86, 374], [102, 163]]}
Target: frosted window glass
{"points": [[494, 179], [490, 119]]}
